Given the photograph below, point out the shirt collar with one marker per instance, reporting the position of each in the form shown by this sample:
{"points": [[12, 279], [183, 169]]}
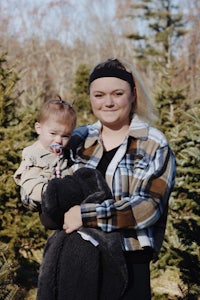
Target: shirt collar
{"points": [[138, 129]]}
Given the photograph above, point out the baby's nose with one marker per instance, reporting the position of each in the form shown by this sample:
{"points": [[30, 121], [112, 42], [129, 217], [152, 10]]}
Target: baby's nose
{"points": [[58, 139]]}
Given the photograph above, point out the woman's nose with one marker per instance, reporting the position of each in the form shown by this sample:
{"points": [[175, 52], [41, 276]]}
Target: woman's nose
{"points": [[109, 101]]}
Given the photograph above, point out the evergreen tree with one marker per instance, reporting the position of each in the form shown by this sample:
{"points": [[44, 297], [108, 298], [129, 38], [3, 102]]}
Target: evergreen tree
{"points": [[79, 95], [180, 122], [20, 231], [163, 26], [170, 99], [8, 289], [185, 208]]}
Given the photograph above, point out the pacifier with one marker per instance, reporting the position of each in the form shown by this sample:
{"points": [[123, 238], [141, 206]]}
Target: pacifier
{"points": [[56, 148]]}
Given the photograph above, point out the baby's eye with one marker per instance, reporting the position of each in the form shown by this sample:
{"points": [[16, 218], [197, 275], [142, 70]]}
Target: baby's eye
{"points": [[66, 136]]}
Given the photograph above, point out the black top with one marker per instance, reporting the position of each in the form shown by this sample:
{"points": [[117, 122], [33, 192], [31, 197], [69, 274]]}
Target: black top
{"points": [[105, 160]]}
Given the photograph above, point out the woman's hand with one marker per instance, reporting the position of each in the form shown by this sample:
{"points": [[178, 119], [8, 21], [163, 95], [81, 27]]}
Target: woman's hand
{"points": [[72, 219]]}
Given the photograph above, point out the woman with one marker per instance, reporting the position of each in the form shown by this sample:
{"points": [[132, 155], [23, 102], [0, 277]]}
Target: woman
{"points": [[138, 165]]}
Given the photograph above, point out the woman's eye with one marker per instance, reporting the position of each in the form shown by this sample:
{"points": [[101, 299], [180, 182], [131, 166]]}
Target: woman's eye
{"points": [[118, 93], [98, 95]]}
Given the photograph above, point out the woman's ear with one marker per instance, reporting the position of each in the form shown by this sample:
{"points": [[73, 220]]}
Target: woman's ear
{"points": [[134, 103], [37, 127], [134, 99], [135, 94]]}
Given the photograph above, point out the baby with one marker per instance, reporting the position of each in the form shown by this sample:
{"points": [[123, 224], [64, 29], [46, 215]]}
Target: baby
{"points": [[47, 157]]}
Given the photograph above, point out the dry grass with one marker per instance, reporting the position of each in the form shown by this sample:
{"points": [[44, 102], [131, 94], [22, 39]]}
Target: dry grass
{"points": [[167, 283], [31, 295]]}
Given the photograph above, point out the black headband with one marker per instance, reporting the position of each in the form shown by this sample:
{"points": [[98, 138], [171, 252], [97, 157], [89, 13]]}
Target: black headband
{"points": [[112, 72]]}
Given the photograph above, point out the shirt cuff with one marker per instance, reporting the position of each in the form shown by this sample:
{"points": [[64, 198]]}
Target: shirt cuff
{"points": [[89, 215]]}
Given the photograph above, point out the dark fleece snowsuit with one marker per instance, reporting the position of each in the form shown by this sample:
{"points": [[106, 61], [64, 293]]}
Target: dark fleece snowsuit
{"points": [[73, 268]]}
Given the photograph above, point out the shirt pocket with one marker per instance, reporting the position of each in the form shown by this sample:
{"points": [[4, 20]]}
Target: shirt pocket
{"points": [[134, 163]]}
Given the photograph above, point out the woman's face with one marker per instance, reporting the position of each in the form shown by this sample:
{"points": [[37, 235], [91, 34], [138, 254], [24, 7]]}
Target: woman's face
{"points": [[112, 100]]}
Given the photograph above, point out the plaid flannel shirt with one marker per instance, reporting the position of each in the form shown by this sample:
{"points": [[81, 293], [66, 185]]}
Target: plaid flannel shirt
{"points": [[141, 176]]}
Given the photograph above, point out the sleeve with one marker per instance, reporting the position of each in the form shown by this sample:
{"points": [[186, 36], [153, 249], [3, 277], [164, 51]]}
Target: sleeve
{"points": [[28, 203], [31, 178], [145, 205], [78, 136]]}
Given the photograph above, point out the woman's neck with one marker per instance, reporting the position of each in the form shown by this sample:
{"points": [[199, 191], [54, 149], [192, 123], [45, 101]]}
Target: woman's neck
{"points": [[112, 138]]}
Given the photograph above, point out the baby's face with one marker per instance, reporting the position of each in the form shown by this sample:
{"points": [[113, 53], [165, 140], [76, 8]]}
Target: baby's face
{"points": [[53, 132]]}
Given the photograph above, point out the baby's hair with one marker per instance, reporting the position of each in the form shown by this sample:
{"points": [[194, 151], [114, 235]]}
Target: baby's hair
{"points": [[62, 101], [59, 109]]}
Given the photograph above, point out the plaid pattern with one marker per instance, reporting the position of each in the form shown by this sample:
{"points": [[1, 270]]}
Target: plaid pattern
{"points": [[141, 176]]}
